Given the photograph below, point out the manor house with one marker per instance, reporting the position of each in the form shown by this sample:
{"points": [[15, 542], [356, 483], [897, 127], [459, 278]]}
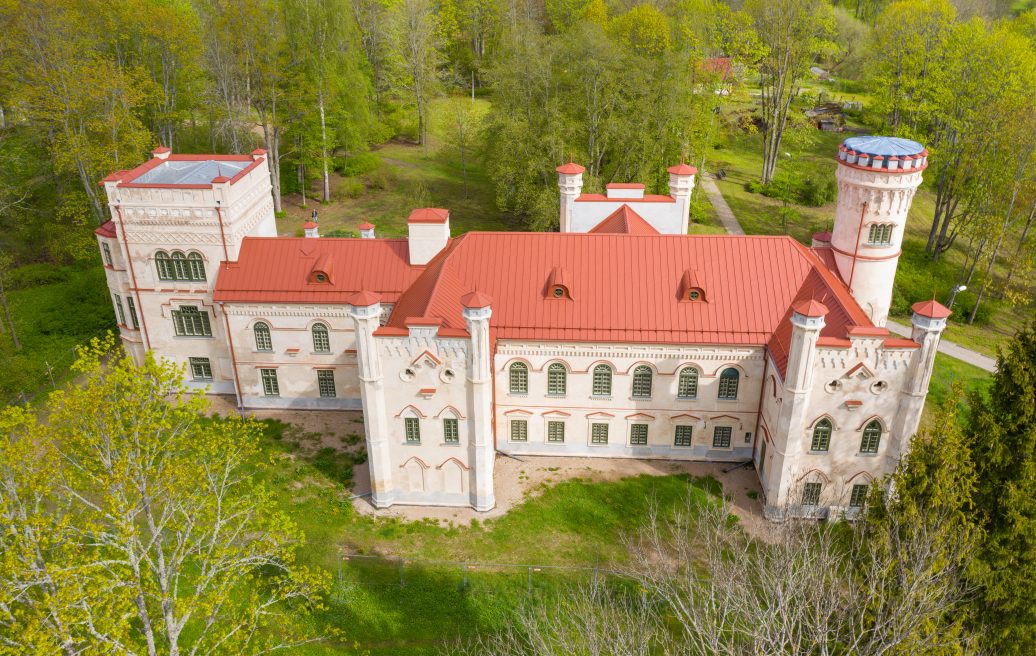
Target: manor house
{"points": [[621, 336]]}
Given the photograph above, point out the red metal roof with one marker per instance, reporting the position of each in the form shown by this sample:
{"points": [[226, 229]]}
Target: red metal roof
{"points": [[810, 308], [276, 270], [570, 169], [682, 169], [629, 287], [106, 229], [429, 215], [932, 309], [624, 185], [476, 299], [625, 221], [649, 198]]}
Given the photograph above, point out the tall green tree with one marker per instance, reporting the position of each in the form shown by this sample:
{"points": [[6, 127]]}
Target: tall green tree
{"points": [[794, 35]]}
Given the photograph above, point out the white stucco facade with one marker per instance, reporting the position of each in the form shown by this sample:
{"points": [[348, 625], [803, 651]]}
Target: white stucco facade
{"points": [[814, 391]]}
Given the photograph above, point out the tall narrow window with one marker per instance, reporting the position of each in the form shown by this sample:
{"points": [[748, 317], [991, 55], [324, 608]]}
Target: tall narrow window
{"points": [[201, 369], [721, 437], [871, 437], [107, 253], [728, 384], [598, 433], [642, 383], [132, 312], [412, 430], [321, 340], [118, 309], [263, 341], [164, 266], [326, 383], [557, 382], [180, 271], [683, 436], [195, 267], [519, 430], [638, 434], [687, 387], [555, 431], [270, 385], [859, 496], [451, 430], [811, 494], [821, 436], [188, 321], [602, 380], [518, 378]]}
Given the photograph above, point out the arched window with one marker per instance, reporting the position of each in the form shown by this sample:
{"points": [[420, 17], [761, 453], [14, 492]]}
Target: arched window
{"points": [[164, 266], [518, 377], [880, 234], [728, 383], [687, 387], [321, 341], [821, 436], [602, 380], [871, 437], [180, 266], [557, 379], [263, 341], [642, 382], [195, 267]]}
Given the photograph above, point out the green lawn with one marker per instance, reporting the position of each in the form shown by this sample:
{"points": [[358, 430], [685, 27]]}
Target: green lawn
{"points": [[577, 523], [949, 371]]}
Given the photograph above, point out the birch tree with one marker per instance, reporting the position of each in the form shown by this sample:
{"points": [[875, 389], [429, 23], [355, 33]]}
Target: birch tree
{"points": [[140, 530], [415, 37], [794, 35]]}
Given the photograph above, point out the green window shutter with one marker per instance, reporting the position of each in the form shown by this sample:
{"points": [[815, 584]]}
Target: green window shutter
{"points": [[728, 381], [683, 436], [451, 431], [602, 380], [270, 385], [326, 383], [687, 388], [557, 379], [201, 369], [519, 430], [412, 430], [263, 340], [821, 436], [638, 434], [555, 431], [811, 494], [721, 437], [871, 437], [321, 339], [518, 378], [599, 434], [859, 496]]}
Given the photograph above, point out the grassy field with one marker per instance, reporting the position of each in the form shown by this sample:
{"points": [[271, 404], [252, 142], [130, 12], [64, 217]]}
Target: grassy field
{"points": [[369, 610]]}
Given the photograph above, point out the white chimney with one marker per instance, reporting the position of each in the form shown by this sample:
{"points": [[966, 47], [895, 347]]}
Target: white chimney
{"points": [[310, 228], [570, 184], [429, 232], [366, 230], [681, 184]]}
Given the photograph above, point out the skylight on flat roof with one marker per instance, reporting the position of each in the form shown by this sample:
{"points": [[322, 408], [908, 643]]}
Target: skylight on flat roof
{"points": [[190, 173]]}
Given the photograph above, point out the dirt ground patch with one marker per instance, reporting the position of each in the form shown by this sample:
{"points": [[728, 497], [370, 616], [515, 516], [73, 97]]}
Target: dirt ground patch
{"points": [[515, 478]]}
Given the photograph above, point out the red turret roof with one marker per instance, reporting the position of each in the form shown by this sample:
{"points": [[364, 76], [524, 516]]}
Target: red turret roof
{"points": [[810, 308], [363, 298], [429, 215], [570, 169], [476, 299], [932, 309], [366, 225], [682, 169], [106, 229]]}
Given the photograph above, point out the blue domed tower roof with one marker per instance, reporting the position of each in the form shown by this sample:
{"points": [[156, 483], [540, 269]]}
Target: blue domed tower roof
{"points": [[883, 153]]}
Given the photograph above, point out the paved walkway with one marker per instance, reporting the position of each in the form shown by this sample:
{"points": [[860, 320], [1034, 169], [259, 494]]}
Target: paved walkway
{"points": [[726, 215], [949, 348], [729, 221]]}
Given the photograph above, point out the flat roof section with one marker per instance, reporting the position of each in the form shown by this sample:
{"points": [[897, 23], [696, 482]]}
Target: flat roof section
{"points": [[179, 172]]}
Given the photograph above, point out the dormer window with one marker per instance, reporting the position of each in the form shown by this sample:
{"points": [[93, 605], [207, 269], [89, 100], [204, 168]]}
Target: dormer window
{"points": [[691, 287], [558, 284], [319, 276], [321, 271]]}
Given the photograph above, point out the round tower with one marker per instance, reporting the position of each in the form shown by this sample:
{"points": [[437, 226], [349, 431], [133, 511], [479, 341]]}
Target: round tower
{"points": [[877, 178]]}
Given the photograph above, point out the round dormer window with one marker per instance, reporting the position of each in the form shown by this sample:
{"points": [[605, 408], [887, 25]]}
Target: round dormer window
{"points": [[694, 295], [321, 277], [559, 292]]}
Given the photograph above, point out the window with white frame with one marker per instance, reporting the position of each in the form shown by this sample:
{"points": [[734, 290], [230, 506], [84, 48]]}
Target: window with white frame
{"points": [[557, 379], [602, 383], [871, 437], [687, 386], [201, 369], [821, 436], [859, 496], [326, 383], [321, 339], [638, 434], [519, 430], [721, 437], [451, 430], [598, 433], [811, 493], [189, 321], [518, 378], [263, 340], [642, 382], [684, 436], [412, 430], [728, 381], [556, 431], [270, 385]]}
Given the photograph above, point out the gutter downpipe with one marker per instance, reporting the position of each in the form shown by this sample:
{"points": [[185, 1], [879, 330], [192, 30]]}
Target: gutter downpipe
{"points": [[133, 277], [233, 361]]}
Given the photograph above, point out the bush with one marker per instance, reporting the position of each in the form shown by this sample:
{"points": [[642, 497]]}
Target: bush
{"points": [[340, 232], [815, 193], [754, 187], [350, 167], [35, 275], [348, 188]]}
